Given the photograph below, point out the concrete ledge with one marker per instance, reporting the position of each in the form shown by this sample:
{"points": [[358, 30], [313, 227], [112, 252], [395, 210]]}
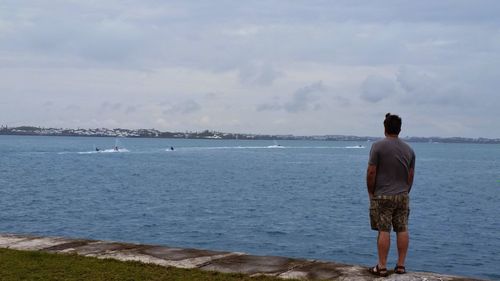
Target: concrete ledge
{"points": [[229, 262]]}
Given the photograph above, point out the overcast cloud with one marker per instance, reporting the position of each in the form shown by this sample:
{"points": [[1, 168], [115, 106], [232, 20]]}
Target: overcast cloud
{"points": [[277, 67]]}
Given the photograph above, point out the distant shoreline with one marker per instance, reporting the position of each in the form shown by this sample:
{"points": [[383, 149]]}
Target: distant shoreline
{"points": [[152, 133]]}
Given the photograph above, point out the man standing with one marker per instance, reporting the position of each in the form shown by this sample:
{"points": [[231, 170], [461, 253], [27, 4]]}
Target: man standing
{"points": [[389, 179]]}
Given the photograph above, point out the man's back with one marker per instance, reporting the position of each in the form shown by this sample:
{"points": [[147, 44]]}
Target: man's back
{"points": [[393, 159]]}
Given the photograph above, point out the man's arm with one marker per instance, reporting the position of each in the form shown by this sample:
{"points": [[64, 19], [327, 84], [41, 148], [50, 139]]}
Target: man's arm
{"points": [[371, 175], [411, 174]]}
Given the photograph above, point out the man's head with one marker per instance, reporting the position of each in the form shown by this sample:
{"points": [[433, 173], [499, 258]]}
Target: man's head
{"points": [[392, 124]]}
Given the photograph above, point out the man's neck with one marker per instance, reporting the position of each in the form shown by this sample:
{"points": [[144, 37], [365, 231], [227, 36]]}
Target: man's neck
{"points": [[391, 136]]}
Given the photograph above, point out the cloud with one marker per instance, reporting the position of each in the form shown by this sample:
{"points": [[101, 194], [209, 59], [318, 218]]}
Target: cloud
{"points": [[376, 88], [72, 108], [342, 101], [185, 107], [258, 74], [416, 82], [303, 99], [428, 88], [210, 96], [130, 109], [269, 107], [110, 106]]}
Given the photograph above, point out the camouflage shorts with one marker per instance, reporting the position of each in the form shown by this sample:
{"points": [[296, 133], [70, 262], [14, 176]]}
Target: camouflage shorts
{"points": [[390, 210]]}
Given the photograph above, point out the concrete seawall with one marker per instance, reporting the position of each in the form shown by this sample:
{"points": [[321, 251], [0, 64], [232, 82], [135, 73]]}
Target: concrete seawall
{"points": [[230, 262]]}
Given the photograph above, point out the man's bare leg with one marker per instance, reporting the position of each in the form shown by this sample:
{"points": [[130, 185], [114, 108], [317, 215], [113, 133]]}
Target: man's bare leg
{"points": [[383, 245], [403, 239]]}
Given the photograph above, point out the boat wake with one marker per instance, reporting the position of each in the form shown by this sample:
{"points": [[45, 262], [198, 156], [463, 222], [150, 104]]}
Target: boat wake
{"points": [[276, 146], [356, 146], [120, 150], [269, 147], [105, 151]]}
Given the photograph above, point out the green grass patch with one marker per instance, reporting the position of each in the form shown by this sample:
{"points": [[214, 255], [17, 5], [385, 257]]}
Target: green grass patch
{"points": [[32, 265]]}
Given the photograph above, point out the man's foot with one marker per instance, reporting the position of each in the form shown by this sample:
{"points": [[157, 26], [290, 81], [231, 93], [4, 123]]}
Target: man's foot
{"points": [[382, 272], [400, 269]]}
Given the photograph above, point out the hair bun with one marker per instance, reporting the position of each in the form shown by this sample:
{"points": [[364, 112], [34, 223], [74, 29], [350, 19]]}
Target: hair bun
{"points": [[387, 115]]}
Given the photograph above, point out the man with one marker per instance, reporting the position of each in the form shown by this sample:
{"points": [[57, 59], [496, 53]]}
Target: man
{"points": [[389, 179]]}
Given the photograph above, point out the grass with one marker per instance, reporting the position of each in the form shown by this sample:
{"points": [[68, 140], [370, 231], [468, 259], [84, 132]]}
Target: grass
{"points": [[32, 265]]}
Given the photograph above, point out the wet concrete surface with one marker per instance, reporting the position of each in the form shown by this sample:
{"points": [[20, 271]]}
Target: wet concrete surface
{"points": [[229, 262]]}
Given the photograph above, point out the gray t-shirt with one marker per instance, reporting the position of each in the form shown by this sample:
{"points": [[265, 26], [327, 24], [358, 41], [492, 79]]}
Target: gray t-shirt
{"points": [[394, 158]]}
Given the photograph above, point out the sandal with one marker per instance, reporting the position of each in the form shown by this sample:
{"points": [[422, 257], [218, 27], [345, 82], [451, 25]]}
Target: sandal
{"points": [[400, 269], [382, 272]]}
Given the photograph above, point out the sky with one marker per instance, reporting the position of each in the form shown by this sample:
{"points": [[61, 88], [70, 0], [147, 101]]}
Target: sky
{"points": [[266, 67]]}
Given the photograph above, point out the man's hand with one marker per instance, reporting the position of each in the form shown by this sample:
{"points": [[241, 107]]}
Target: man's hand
{"points": [[371, 175], [411, 175]]}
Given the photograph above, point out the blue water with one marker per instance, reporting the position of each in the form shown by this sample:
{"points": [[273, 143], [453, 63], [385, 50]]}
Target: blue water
{"points": [[307, 199]]}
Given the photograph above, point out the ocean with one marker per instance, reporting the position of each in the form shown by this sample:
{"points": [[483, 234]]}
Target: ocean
{"points": [[302, 199]]}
